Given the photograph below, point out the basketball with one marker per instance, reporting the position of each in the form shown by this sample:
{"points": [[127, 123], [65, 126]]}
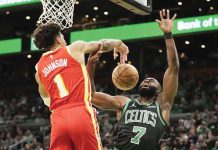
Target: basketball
{"points": [[125, 77]]}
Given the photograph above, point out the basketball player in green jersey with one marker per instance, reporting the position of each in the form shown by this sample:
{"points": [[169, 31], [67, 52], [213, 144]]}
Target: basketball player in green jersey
{"points": [[142, 123]]}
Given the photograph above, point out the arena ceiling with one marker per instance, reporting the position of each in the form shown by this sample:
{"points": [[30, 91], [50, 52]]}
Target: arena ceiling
{"points": [[14, 20], [20, 22]]}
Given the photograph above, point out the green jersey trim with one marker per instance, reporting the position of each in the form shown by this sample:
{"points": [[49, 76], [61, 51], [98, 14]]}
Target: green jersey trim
{"points": [[115, 148], [125, 107], [145, 104], [160, 116]]}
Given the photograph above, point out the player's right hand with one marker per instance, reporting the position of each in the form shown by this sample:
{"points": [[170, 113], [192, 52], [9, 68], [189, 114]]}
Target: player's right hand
{"points": [[123, 50]]}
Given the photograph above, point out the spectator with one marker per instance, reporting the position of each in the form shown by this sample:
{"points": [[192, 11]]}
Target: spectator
{"points": [[216, 146], [203, 129]]}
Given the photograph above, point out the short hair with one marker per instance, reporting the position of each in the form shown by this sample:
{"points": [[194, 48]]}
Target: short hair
{"points": [[44, 35]]}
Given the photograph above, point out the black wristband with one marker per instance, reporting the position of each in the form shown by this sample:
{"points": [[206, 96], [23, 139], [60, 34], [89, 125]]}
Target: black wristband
{"points": [[168, 35]]}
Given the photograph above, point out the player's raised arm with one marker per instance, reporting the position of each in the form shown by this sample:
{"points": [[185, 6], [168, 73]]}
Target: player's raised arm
{"points": [[107, 45], [99, 99], [170, 80]]}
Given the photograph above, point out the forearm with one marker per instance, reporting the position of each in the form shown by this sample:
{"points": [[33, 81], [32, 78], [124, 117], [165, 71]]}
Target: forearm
{"points": [[108, 102], [46, 100], [101, 102], [172, 55], [110, 44], [106, 45], [45, 97], [91, 71]]}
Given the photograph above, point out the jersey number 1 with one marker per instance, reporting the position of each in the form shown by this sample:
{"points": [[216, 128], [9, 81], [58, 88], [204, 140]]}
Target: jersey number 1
{"points": [[141, 131], [61, 86]]}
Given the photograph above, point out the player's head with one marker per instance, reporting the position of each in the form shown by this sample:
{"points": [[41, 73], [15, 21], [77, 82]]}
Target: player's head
{"points": [[149, 88], [48, 35]]}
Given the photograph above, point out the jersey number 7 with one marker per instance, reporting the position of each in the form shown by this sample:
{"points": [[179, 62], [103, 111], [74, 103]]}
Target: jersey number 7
{"points": [[141, 131]]}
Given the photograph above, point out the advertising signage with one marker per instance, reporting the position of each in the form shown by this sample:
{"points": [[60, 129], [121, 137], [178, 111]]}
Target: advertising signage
{"points": [[149, 30], [9, 3], [10, 46]]}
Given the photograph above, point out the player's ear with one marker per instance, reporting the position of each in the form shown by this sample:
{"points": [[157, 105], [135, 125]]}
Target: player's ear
{"points": [[58, 39]]}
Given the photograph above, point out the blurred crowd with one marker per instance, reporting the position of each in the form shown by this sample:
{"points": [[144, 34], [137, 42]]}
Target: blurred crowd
{"points": [[24, 120]]}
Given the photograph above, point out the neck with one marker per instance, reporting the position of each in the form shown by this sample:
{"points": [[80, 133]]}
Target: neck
{"points": [[145, 100], [55, 47]]}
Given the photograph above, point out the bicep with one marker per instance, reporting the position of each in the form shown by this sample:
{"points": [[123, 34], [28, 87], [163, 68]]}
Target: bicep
{"points": [[105, 101]]}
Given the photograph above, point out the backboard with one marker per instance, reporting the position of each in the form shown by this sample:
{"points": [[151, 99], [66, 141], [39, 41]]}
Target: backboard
{"points": [[140, 7]]}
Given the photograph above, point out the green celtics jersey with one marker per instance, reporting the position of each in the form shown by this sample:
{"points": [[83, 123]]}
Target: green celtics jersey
{"points": [[140, 127]]}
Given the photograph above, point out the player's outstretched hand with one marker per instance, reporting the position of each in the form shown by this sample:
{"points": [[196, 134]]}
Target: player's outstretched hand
{"points": [[165, 23], [123, 50]]}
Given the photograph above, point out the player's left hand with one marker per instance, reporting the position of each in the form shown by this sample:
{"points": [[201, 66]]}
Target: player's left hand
{"points": [[123, 50], [166, 25], [94, 56]]}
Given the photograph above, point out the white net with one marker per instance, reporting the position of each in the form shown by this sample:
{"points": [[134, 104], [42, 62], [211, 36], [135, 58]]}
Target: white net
{"points": [[57, 11]]}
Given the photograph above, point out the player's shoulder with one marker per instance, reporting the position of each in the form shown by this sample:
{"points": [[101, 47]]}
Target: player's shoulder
{"points": [[123, 100], [78, 43], [42, 58]]}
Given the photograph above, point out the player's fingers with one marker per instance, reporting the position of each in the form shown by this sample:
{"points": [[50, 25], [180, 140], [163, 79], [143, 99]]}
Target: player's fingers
{"points": [[164, 12], [161, 15], [93, 53], [126, 54], [126, 58], [174, 17], [115, 55], [99, 54], [123, 60], [94, 59], [127, 51], [168, 14], [158, 21]]}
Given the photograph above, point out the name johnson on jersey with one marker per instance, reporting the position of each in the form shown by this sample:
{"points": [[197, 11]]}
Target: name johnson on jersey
{"points": [[53, 65]]}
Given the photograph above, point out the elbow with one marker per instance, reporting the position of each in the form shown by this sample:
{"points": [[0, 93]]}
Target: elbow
{"points": [[93, 93], [175, 66], [176, 63], [93, 101]]}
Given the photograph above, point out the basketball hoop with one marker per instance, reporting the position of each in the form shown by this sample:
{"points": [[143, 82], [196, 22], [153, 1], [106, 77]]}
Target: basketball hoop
{"points": [[57, 11]]}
